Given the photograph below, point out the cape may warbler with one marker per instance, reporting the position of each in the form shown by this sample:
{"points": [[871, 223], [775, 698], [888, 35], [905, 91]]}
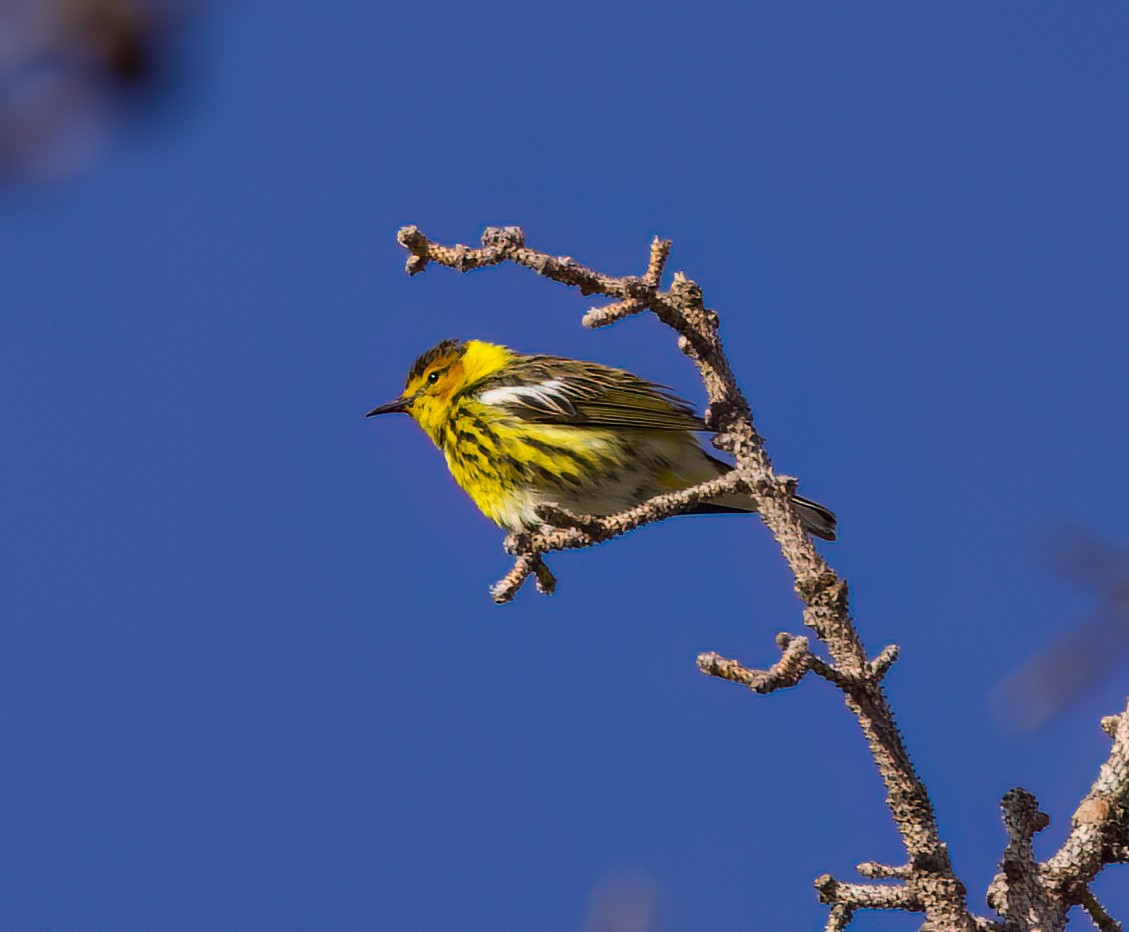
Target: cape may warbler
{"points": [[522, 431]]}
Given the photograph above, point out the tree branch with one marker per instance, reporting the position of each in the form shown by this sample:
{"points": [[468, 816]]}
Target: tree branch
{"points": [[932, 883], [1027, 894]]}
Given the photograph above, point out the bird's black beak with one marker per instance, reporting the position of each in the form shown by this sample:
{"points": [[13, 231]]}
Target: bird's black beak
{"points": [[393, 407]]}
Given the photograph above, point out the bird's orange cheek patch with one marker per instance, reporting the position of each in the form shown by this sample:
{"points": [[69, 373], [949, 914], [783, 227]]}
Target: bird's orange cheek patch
{"points": [[453, 380]]}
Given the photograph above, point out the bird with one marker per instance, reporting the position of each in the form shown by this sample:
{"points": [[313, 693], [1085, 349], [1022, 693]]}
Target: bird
{"points": [[523, 431]]}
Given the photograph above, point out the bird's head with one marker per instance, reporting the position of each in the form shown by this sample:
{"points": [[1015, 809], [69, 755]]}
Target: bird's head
{"points": [[439, 376]]}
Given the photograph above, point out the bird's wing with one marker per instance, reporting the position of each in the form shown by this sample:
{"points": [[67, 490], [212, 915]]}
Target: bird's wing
{"points": [[551, 390]]}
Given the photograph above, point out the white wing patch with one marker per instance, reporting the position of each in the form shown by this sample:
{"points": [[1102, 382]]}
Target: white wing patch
{"points": [[552, 394]]}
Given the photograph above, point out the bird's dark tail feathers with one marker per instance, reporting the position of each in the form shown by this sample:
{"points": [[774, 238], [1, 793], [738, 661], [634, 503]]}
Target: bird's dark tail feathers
{"points": [[817, 519]]}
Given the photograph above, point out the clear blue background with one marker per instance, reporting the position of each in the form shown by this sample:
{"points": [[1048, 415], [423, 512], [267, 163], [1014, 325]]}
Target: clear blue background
{"points": [[250, 673]]}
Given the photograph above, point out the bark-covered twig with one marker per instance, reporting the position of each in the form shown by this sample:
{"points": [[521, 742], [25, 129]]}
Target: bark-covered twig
{"points": [[881, 664], [839, 918], [1029, 895], [867, 895], [1017, 892], [795, 660], [572, 531], [876, 871], [1102, 919]]}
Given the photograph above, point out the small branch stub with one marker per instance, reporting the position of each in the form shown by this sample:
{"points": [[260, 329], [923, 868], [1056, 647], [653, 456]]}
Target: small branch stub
{"points": [[881, 664], [839, 918], [1102, 919], [794, 662], [866, 895], [526, 565], [1018, 891], [546, 581]]}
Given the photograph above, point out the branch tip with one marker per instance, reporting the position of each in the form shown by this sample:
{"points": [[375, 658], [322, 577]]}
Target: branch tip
{"points": [[660, 252], [881, 664], [1022, 816], [839, 918], [546, 581], [526, 565], [794, 662], [410, 237]]}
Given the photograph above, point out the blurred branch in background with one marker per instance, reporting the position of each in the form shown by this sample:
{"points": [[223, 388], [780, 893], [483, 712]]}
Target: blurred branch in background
{"points": [[1025, 700], [68, 71]]}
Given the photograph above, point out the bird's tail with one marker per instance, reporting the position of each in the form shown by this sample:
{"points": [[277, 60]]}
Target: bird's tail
{"points": [[817, 519]]}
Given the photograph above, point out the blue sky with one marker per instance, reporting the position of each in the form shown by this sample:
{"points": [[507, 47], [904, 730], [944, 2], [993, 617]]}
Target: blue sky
{"points": [[251, 673]]}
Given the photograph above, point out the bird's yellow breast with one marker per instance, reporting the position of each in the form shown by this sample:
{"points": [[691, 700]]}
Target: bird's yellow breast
{"points": [[504, 463]]}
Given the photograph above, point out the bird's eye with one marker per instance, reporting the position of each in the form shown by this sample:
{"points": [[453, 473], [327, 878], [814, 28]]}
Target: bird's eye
{"points": [[433, 377]]}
